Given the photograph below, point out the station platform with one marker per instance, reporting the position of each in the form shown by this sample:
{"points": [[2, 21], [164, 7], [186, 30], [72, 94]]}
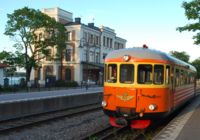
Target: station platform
{"points": [[18, 97], [31, 103], [186, 126]]}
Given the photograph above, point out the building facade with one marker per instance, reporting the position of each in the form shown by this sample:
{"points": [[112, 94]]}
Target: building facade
{"points": [[86, 48]]}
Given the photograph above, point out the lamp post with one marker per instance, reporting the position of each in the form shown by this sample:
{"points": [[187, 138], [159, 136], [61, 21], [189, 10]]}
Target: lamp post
{"points": [[26, 66], [87, 46]]}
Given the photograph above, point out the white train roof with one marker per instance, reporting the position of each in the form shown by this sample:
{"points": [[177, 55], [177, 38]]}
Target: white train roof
{"points": [[145, 53]]}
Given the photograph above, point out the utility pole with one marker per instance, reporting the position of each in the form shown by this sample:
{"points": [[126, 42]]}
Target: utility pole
{"points": [[26, 66]]}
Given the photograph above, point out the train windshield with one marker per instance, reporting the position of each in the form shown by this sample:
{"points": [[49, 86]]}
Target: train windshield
{"points": [[158, 74], [126, 73], [145, 74], [148, 74], [112, 73]]}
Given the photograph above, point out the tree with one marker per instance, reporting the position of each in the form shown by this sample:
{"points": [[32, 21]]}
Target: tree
{"points": [[34, 32], [192, 12], [181, 55], [196, 63], [61, 46], [7, 58]]}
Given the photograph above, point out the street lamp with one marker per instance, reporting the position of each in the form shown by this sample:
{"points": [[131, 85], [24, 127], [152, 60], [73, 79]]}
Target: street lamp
{"points": [[87, 46], [26, 66]]}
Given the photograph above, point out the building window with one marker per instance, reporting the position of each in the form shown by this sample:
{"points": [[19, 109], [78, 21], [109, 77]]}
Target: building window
{"points": [[115, 46], [104, 55], [97, 40], [107, 43], [91, 39], [48, 56], [91, 58], [111, 43], [69, 36], [85, 55], [69, 54], [97, 58], [121, 46], [49, 71], [104, 41], [68, 74], [85, 36]]}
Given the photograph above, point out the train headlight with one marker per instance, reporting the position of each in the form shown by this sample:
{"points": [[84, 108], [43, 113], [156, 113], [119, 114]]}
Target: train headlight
{"points": [[104, 103], [126, 57], [152, 107]]}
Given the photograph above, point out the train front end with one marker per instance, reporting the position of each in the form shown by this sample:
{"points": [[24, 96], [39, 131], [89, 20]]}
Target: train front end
{"points": [[130, 96]]}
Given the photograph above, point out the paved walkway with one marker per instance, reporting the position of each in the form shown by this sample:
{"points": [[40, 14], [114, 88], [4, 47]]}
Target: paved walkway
{"points": [[186, 126]]}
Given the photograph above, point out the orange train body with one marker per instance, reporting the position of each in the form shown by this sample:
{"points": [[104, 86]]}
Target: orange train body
{"points": [[143, 84]]}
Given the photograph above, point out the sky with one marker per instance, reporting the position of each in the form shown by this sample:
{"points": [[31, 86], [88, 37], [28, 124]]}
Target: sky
{"points": [[150, 22]]}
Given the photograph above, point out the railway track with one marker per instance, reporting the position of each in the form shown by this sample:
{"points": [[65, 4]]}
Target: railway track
{"points": [[104, 134], [125, 133], [29, 121]]}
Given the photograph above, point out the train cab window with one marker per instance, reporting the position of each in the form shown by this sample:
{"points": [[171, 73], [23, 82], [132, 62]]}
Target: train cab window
{"points": [[167, 75], [144, 74], [126, 73], [112, 73], [158, 74]]}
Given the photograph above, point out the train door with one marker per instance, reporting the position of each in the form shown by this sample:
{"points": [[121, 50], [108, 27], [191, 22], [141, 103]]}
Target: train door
{"points": [[169, 84], [172, 85]]}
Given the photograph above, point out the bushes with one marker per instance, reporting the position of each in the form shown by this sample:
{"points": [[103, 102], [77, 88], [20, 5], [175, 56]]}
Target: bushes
{"points": [[1, 88], [13, 88], [61, 83], [22, 86]]}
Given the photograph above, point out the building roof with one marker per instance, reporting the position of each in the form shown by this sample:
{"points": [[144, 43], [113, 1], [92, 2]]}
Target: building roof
{"points": [[3, 65], [76, 23]]}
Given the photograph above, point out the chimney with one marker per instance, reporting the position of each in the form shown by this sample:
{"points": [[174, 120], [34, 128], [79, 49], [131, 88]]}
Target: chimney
{"points": [[78, 20], [91, 24]]}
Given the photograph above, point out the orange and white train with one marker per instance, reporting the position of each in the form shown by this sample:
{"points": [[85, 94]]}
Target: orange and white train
{"points": [[141, 84]]}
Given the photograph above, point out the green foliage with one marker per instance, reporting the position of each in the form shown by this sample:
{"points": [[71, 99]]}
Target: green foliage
{"points": [[181, 55], [192, 12], [13, 88], [33, 32], [11, 59], [196, 64], [7, 58]]}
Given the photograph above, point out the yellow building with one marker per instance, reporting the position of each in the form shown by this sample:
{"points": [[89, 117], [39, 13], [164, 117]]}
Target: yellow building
{"points": [[86, 48]]}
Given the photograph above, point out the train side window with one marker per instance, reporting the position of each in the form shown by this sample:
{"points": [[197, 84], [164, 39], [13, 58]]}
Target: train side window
{"points": [[144, 74], [167, 75], [177, 77], [191, 78], [182, 77], [188, 78], [158, 74], [185, 77], [126, 73], [112, 73]]}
